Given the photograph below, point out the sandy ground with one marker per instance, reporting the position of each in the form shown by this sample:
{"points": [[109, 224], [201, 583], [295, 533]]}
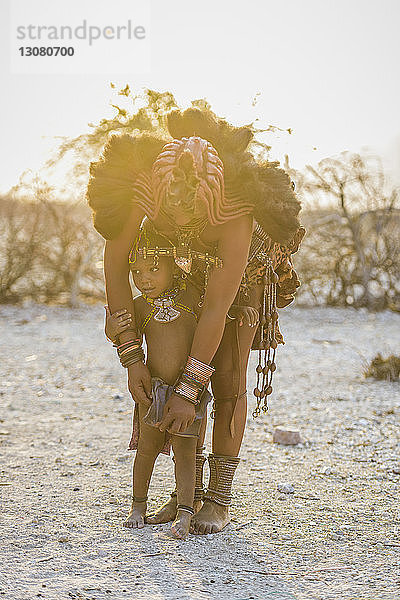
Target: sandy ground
{"points": [[66, 475]]}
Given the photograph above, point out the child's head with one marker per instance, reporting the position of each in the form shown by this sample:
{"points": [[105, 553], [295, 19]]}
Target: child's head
{"points": [[153, 277]]}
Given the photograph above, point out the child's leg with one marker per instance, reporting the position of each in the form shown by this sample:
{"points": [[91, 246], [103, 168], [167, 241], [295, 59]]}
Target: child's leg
{"points": [[151, 442], [167, 512], [185, 475]]}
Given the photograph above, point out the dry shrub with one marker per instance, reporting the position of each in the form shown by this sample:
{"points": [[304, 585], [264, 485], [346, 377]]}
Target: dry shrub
{"points": [[21, 232], [49, 252], [387, 369], [351, 255]]}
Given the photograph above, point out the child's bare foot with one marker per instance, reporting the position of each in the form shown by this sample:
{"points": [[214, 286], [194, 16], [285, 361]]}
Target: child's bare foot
{"points": [[135, 519], [180, 527], [164, 514], [211, 518], [167, 512]]}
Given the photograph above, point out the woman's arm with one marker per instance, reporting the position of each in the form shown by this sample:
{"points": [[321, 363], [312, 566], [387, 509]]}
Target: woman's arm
{"points": [[119, 296], [233, 249], [116, 269]]}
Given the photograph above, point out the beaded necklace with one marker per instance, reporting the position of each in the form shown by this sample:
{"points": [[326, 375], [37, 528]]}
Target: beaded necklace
{"points": [[183, 253], [164, 307], [184, 235]]}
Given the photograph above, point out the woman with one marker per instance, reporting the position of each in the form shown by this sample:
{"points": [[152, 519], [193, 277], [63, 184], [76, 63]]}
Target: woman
{"points": [[219, 209]]}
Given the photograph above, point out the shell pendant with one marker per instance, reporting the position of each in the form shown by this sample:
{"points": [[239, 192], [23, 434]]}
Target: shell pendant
{"points": [[165, 313]]}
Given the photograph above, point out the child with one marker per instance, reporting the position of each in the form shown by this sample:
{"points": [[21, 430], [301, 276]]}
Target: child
{"points": [[166, 313]]}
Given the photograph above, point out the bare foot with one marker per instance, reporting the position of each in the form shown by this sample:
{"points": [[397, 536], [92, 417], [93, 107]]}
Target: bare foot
{"points": [[164, 514], [210, 519], [136, 516], [197, 504], [167, 512], [180, 527]]}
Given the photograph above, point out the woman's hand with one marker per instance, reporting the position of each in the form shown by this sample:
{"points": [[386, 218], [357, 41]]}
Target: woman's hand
{"points": [[178, 415], [139, 383], [116, 323], [244, 315]]}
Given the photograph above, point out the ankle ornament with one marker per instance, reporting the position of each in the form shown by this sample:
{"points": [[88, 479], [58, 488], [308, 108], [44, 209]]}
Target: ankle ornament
{"points": [[188, 509], [222, 472], [139, 500]]}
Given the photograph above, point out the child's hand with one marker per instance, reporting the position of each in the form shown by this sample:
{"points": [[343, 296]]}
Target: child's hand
{"points": [[117, 323], [244, 315]]}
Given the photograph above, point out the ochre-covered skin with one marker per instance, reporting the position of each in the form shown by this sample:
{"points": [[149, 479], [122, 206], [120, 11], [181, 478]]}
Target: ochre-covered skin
{"points": [[203, 189]]}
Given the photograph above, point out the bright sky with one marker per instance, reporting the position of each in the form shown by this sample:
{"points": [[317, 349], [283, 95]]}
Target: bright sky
{"points": [[329, 69]]}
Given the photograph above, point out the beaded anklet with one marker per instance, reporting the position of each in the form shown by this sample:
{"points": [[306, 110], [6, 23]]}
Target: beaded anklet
{"points": [[188, 509]]}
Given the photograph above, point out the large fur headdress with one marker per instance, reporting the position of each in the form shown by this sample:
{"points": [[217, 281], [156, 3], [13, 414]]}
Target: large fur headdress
{"points": [[207, 161]]}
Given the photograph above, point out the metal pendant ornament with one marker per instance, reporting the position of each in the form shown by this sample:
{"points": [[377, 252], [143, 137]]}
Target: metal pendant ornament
{"points": [[163, 309], [165, 313], [183, 258]]}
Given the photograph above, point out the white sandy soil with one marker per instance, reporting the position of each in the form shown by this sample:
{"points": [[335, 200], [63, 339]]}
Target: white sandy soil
{"points": [[65, 478]]}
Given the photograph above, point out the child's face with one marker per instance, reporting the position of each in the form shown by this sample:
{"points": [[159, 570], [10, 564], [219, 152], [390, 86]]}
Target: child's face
{"points": [[151, 280]]}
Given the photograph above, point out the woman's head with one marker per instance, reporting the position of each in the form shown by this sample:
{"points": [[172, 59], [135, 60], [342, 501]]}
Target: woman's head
{"points": [[188, 179], [139, 170]]}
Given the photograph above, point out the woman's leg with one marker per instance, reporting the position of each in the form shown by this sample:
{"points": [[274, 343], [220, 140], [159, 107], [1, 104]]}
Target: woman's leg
{"points": [[229, 390], [185, 477], [151, 442]]}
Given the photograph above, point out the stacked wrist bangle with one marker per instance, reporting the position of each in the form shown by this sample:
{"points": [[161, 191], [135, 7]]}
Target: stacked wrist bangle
{"points": [[130, 352], [194, 379]]}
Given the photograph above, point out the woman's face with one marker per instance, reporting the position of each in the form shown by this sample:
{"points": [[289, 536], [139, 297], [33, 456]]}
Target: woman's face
{"points": [[182, 215], [153, 280], [181, 204]]}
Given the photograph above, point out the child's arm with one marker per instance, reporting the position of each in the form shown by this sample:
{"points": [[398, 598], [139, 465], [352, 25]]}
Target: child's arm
{"points": [[116, 323], [244, 314]]}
